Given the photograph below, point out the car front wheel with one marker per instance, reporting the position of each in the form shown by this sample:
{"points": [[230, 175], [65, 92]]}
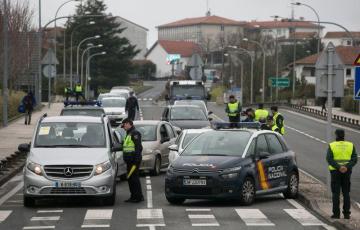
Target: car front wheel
{"points": [[157, 166], [292, 186], [247, 191]]}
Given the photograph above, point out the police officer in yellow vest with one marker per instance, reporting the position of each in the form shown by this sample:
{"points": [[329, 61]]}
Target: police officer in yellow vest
{"points": [[278, 119], [132, 154], [261, 114], [78, 91], [341, 157], [233, 109], [67, 92]]}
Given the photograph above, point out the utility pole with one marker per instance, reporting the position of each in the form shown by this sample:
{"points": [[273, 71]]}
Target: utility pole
{"points": [[5, 90], [39, 78]]}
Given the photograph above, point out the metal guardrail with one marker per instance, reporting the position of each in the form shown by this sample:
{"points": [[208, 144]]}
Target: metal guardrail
{"points": [[11, 165]]}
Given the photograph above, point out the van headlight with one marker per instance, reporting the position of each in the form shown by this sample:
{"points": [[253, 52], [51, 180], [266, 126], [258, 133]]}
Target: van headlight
{"points": [[103, 167], [35, 168]]}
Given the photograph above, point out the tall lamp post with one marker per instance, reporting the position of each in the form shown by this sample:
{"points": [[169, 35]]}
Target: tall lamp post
{"points": [[318, 21], [87, 72], [263, 67], [78, 50], [82, 59], [5, 90]]}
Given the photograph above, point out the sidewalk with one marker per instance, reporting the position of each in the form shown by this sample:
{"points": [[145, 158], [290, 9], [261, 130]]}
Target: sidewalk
{"points": [[17, 132], [338, 112]]}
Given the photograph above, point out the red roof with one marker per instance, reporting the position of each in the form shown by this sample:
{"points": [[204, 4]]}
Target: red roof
{"points": [[280, 24], [184, 48], [207, 20], [347, 54], [341, 34]]}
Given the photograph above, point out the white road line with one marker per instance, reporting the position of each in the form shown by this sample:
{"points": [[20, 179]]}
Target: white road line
{"points": [[198, 209], [95, 226], [198, 216], [205, 224], [149, 214], [11, 193], [202, 220], [148, 187], [50, 211], [147, 177], [14, 201], [149, 199], [45, 218], [309, 175], [328, 227], [150, 99], [295, 203], [4, 215], [17, 178], [99, 214], [253, 217], [39, 227], [308, 135], [148, 181], [304, 217]]}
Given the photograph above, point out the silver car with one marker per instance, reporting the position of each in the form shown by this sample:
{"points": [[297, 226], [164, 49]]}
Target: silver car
{"points": [[114, 108], [71, 156]]}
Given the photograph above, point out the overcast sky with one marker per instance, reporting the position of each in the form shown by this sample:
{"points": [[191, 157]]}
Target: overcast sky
{"points": [[151, 13]]}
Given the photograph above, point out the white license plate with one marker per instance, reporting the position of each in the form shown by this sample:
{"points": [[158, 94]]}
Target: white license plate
{"points": [[196, 182], [67, 184]]}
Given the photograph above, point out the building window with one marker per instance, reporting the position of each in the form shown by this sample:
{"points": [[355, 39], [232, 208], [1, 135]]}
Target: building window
{"points": [[348, 42], [348, 72]]}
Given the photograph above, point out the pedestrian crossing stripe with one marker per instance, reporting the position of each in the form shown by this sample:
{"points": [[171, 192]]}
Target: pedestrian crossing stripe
{"points": [[4, 215]]}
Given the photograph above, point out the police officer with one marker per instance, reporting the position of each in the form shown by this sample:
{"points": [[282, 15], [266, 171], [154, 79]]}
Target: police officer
{"points": [[233, 109], [270, 125], [78, 91], [249, 115], [342, 157], [278, 119], [131, 106], [67, 92], [261, 114], [132, 149]]}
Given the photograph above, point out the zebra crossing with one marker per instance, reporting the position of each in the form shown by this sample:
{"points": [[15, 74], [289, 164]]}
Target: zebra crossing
{"points": [[198, 217]]}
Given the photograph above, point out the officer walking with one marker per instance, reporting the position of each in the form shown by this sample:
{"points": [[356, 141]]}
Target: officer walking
{"points": [[278, 119], [261, 114], [132, 149], [341, 157], [131, 106], [233, 109]]}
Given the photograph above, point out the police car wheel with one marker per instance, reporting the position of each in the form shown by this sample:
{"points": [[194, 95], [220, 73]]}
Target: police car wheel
{"points": [[174, 200], [247, 191], [29, 201], [157, 166], [292, 186]]}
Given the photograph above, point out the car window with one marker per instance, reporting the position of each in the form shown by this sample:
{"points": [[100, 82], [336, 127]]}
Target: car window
{"points": [[70, 134], [187, 138], [163, 132], [113, 102], [187, 113], [165, 113], [274, 144], [261, 144], [177, 141], [251, 150], [170, 131], [148, 132]]}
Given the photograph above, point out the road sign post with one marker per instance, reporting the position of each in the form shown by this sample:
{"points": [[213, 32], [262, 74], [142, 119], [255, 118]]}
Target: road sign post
{"points": [[357, 84]]}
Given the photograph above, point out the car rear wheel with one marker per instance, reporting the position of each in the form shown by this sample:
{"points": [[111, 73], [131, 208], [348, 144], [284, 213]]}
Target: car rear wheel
{"points": [[292, 186], [247, 191], [157, 166], [174, 200], [29, 201]]}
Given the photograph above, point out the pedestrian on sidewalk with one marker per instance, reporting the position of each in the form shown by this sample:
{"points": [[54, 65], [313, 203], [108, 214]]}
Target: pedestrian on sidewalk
{"points": [[323, 106], [131, 106], [341, 157], [29, 104]]}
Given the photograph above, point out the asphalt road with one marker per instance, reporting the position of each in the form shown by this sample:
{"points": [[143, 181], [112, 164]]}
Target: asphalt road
{"points": [[270, 212]]}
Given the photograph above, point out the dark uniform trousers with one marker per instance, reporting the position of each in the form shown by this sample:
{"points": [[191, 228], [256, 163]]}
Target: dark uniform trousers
{"points": [[340, 181], [134, 182], [131, 114]]}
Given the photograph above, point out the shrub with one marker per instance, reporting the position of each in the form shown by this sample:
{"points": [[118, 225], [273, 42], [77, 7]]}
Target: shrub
{"points": [[15, 98]]}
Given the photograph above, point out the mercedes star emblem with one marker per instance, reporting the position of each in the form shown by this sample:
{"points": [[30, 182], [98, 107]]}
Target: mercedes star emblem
{"points": [[68, 171]]}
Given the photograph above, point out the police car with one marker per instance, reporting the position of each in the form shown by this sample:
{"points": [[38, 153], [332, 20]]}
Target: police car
{"points": [[233, 163]]}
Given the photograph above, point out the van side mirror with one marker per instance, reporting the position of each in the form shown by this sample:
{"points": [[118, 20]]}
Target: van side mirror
{"points": [[210, 112], [174, 148], [24, 148], [164, 139]]}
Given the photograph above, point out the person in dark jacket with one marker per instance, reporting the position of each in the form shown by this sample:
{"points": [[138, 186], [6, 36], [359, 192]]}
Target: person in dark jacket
{"points": [[233, 109], [29, 104], [250, 116], [341, 157], [132, 154], [131, 106]]}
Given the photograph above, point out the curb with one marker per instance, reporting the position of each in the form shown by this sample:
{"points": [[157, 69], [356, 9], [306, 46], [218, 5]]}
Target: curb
{"points": [[11, 166]]}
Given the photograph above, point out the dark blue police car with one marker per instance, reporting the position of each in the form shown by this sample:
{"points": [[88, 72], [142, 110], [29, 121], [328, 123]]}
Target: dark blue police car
{"points": [[233, 163]]}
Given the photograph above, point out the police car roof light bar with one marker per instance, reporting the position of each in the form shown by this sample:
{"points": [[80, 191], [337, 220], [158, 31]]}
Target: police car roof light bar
{"points": [[72, 103], [239, 125]]}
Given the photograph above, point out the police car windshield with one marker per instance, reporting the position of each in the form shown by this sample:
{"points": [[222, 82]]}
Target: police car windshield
{"points": [[224, 143], [70, 134], [187, 113], [187, 90], [113, 102], [83, 112], [148, 132], [188, 137]]}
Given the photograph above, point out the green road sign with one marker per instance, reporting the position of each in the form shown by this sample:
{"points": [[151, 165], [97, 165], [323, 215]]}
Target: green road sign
{"points": [[279, 82]]}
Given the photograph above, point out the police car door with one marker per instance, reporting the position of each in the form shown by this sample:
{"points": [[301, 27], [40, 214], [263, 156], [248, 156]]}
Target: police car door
{"points": [[277, 170], [264, 162]]}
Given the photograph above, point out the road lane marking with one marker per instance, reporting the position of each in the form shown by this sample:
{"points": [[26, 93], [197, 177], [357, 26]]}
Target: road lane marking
{"points": [[149, 199], [201, 216], [304, 217], [14, 201], [97, 218], [148, 181], [254, 217], [148, 187], [306, 134], [11, 193], [309, 175], [202, 220], [50, 211], [39, 227], [150, 218], [198, 209], [4, 214], [295, 203], [147, 177], [45, 218]]}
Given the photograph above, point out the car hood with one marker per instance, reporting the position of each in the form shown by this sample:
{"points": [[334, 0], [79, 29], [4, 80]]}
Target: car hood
{"points": [[207, 162], [67, 156], [190, 124], [114, 110]]}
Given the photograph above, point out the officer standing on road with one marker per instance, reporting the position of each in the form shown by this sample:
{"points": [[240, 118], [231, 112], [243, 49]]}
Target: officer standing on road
{"points": [[131, 106], [78, 92], [67, 92], [132, 149], [270, 125], [233, 109], [278, 119], [261, 113], [342, 157]]}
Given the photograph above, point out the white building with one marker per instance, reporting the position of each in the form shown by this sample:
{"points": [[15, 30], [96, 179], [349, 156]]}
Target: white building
{"points": [[159, 52], [306, 67], [136, 34], [340, 38]]}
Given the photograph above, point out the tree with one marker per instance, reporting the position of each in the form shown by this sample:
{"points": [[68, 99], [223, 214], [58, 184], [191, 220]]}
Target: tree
{"points": [[114, 67]]}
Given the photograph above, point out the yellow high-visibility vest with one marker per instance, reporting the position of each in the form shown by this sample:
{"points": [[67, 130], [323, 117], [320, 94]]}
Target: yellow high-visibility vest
{"points": [[342, 151], [282, 130], [233, 109], [129, 145], [78, 89], [261, 114]]}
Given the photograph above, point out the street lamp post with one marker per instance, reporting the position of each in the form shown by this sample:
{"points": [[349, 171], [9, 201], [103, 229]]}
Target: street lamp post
{"points": [[263, 68], [5, 91], [87, 72], [78, 50], [82, 59], [71, 51]]}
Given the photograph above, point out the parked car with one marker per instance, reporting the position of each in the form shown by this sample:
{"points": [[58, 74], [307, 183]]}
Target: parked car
{"points": [[104, 95], [156, 136], [199, 103], [115, 108], [186, 116], [71, 156]]}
